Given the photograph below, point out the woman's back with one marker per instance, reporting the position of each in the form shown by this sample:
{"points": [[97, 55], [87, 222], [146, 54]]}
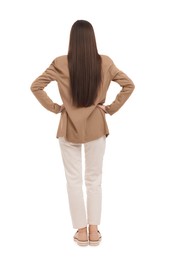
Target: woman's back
{"points": [[83, 124]]}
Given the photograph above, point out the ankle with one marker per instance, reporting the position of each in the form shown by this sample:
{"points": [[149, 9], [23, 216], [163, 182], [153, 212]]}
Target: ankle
{"points": [[82, 230], [93, 228]]}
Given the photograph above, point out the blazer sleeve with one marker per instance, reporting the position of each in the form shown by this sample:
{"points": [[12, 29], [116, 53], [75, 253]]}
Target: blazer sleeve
{"points": [[127, 88], [37, 87]]}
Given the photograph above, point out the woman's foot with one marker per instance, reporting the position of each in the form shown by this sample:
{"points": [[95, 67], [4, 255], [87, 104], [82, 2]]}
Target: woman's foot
{"points": [[94, 236], [81, 237]]}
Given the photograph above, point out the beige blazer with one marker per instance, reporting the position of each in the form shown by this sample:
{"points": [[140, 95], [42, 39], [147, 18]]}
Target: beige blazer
{"points": [[80, 125]]}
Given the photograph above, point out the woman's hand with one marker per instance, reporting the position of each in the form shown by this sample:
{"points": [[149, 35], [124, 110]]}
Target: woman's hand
{"points": [[103, 108], [61, 108]]}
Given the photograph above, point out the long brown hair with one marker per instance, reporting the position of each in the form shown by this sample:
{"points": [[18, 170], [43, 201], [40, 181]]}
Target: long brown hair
{"points": [[84, 64]]}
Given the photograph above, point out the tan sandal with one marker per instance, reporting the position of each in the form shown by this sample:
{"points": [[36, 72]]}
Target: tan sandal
{"points": [[94, 238], [81, 238]]}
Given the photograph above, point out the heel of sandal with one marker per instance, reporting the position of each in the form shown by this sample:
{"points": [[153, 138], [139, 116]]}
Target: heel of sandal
{"points": [[80, 241], [95, 238]]}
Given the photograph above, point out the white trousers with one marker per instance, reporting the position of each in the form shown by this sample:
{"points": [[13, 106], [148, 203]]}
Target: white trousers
{"points": [[90, 212]]}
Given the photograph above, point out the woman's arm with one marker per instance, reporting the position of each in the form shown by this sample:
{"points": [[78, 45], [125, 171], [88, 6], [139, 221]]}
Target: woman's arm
{"points": [[38, 86], [127, 88]]}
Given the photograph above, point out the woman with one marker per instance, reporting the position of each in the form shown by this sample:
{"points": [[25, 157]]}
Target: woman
{"points": [[83, 78]]}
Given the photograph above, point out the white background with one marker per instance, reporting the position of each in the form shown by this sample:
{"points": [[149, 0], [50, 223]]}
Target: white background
{"points": [[34, 216]]}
